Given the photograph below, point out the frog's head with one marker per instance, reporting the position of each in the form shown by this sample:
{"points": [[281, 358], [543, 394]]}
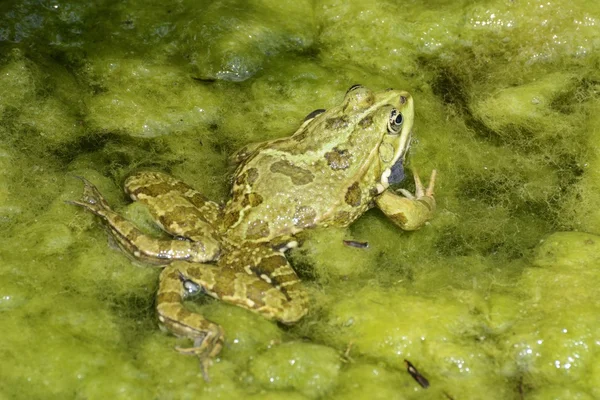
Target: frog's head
{"points": [[385, 129]]}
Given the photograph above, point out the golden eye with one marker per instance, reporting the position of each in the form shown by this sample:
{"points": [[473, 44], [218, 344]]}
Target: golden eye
{"points": [[395, 122]]}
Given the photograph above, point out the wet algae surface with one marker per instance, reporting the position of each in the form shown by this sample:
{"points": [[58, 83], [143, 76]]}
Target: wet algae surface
{"points": [[496, 298]]}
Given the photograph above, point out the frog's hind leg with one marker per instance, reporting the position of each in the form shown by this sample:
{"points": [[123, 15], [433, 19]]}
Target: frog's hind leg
{"points": [[178, 208], [257, 278], [173, 289], [135, 242], [266, 283]]}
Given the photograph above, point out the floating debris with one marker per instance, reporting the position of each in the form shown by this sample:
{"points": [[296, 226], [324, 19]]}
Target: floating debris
{"points": [[421, 380], [346, 356], [447, 395], [357, 244]]}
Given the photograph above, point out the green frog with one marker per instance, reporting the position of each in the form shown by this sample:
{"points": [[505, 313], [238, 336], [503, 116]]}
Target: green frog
{"points": [[338, 164]]}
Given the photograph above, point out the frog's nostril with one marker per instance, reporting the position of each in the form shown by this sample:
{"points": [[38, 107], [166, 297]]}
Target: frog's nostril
{"points": [[402, 99]]}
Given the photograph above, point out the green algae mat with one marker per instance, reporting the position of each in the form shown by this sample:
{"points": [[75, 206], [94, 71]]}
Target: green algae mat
{"points": [[496, 298]]}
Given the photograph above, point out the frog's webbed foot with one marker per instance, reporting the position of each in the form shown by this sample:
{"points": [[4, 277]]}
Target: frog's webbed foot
{"points": [[91, 199], [409, 212], [205, 348]]}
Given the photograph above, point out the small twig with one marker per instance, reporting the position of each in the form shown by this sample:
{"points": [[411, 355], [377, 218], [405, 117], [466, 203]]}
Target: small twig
{"points": [[421, 380], [357, 244], [346, 356], [447, 395]]}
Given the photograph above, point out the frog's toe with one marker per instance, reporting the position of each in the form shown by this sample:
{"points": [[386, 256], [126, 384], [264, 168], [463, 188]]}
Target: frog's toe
{"points": [[429, 191], [406, 194], [420, 190], [205, 348], [91, 198], [208, 345]]}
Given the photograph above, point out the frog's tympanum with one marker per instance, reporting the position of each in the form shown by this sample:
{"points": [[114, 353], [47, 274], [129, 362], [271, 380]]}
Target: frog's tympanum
{"points": [[337, 165]]}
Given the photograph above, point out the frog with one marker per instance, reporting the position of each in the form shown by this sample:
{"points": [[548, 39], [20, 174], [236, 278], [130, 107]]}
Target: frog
{"points": [[338, 164]]}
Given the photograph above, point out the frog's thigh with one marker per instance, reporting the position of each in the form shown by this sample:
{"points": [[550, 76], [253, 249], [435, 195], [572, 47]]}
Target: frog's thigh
{"points": [[156, 190], [178, 209], [260, 279]]}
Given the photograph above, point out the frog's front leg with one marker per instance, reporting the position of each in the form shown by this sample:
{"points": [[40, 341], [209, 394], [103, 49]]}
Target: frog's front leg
{"points": [[409, 212]]}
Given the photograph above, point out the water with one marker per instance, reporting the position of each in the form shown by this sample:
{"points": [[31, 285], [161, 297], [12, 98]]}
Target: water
{"points": [[487, 299]]}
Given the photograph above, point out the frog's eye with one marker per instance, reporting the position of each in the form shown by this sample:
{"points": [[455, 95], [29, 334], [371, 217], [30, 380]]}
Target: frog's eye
{"points": [[314, 114], [395, 122]]}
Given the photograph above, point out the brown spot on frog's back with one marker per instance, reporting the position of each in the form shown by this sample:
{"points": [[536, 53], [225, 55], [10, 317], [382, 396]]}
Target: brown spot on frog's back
{"points": [[341, 217], [247, 177], [298, 175], [252, 175], [337, 122], [353, 195], [366, 122], [338, 159], [272, 263], [240, 179], [252, 199], [230, 218]]}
